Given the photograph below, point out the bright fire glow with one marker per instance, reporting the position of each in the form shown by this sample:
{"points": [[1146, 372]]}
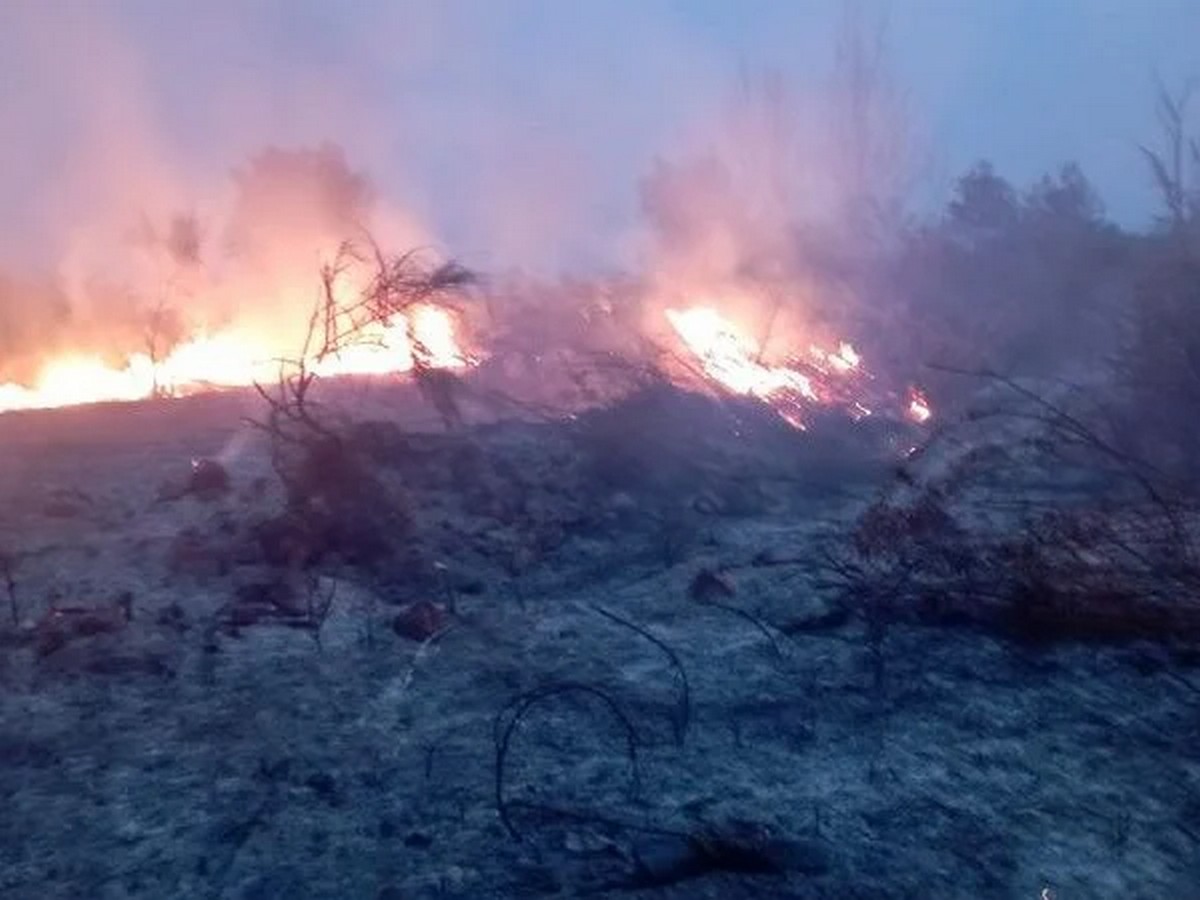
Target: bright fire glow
{"points": [[730, 358], [844, 359], [821, 377], [919, 409], [734, 360], [230, 360], [385, 349]]}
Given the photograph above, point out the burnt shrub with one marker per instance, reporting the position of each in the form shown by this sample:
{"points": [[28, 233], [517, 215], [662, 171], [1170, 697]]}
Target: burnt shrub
{"points": [[336, 506], [1030, 522], [1160, 368]]}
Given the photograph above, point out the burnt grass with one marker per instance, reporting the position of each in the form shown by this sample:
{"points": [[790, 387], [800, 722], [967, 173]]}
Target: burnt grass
{"points": [[601, 656]]}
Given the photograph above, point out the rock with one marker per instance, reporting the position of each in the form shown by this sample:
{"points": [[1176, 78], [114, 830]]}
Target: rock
{"points": [[325, 787], [774, 556], [130, 664], [192, 554], [814, 612], [660, 859], [710, 585], [67, 504], [420, 621], [275, 601], [209, 479], [273, 593], [63, 624]]}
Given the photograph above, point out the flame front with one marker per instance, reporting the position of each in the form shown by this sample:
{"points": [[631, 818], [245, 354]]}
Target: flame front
{"points": [[820, 377], [731, 358], [734, 360], [232, 360]]}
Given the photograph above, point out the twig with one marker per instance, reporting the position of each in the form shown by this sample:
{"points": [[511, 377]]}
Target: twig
{"points": [[514, 712], [8, 565], [749, 617], [679, 723]]}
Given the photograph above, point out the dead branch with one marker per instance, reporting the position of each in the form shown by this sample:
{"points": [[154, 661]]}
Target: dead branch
{"points": [[505, 724], [318, 603], [8, 567], [683, 713], [706, 599], [396, 285], [1069, 429], [302, 434], [1168, 165], [1094, 562]]}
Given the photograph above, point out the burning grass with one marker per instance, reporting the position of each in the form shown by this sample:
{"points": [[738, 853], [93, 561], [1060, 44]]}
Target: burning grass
{"points": [[374, 316], [796, 385]]}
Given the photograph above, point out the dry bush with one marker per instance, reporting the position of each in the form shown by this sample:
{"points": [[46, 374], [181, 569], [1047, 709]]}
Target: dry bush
{"points": [[1028, 518], [334, 500], [1062, 513]]}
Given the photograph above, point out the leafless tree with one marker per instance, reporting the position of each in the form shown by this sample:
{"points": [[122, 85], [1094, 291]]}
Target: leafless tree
{"points": [[871, 135], [174, 253], [1175, 164]]}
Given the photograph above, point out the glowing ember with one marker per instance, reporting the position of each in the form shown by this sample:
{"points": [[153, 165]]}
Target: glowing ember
{"points": [[919, 409], [230, 360], [845, 359]]}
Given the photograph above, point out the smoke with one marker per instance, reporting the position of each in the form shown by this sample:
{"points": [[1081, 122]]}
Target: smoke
{"points": [[727, 205], [781, 195], [118, 236], [275, 130], [136, 280], [186, 168]]}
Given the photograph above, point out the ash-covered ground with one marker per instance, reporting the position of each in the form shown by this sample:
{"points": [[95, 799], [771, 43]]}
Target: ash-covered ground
{"points": [[593, 657]]}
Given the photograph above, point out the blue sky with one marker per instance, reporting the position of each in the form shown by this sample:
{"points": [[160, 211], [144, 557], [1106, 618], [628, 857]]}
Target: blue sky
{"points": [[508, 126]]}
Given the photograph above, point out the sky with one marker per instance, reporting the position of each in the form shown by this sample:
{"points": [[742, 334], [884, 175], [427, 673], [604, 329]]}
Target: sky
{"points": [[515, 131]]}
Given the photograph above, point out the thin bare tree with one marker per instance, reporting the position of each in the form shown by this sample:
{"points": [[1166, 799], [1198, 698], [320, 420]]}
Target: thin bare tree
{"points": [[1175, 164]]}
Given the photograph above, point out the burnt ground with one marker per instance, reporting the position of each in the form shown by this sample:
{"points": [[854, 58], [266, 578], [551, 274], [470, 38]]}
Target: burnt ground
{"points": [[180, 732]]}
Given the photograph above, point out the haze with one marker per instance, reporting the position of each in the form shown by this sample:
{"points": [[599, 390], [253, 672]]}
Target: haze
{"points": [[515, 132]]}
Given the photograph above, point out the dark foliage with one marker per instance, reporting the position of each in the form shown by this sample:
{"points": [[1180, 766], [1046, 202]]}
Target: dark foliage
{"points": [[1028, 283]]}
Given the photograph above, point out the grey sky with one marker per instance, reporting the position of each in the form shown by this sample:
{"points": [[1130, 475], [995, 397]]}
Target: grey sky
{"points": [[507, 124]]}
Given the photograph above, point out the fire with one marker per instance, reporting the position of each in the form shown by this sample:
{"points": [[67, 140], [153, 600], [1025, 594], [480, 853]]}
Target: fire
{"points": [[919, 409], [730, 358], [734, 360], [844, 359], [387, 348], [821, 376], [232, 360]]}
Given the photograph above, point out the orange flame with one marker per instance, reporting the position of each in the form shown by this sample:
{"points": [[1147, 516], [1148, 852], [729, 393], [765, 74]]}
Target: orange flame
{"points": [[733, 360], [821, 377], [919, 409], [231, 360], [730, 358]]}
